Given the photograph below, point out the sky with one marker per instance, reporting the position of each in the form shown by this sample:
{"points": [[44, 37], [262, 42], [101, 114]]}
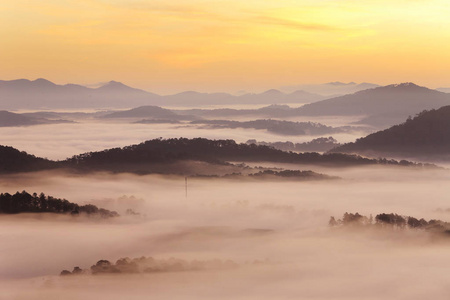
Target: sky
{"points": [[212, 45]]}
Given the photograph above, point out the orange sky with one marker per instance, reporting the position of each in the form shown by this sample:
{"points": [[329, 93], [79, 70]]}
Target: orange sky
{"points": [[212, 45]]}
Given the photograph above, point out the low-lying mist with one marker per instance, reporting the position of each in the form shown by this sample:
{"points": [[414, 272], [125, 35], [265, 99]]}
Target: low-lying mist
{"points": [[59, 141], [282, 223]]}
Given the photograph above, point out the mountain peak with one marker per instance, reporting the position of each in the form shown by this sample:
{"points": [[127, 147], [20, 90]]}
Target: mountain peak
{"points": [[338, 83], [114, 85], [272, 92], [42, 81], [404, 84]]}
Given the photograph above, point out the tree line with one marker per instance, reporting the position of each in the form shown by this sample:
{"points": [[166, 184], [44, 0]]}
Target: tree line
{"points": [[390, 220], [22, 202]]}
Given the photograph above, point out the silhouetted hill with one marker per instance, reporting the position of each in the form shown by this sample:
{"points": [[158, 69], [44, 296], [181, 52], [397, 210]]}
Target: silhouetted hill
{"points": [[271, 111], [13, 160], [275, 126], [149, 112], [321, 144], [398, 100], [9, 119], [427, 135], [159, 151]]}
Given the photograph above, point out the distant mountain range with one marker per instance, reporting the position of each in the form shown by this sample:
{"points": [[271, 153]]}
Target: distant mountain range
{"points": [[331, 89], [427, 136], [379, 107], [43, 94]]}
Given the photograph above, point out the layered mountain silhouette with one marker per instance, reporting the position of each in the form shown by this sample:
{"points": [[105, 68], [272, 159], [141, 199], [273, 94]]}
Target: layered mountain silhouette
{"points": [[427, 136], [388, 104], [41, 93]]}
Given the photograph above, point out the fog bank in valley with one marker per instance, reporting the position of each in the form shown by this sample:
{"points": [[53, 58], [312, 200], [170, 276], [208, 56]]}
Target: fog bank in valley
{"points": [[65, 140], [283, 224]]}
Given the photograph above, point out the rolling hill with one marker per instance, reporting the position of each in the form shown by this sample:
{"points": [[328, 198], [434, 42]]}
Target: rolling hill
{"points": [[389, 104], [427, 136], [9, 119]]}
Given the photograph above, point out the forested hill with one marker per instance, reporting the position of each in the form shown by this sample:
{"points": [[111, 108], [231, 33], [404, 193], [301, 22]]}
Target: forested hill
{"points": [[170, 156], [13, 160], [426, 135], [215, 151]]}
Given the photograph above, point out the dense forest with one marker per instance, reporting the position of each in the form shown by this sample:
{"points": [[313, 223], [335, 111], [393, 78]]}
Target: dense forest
{"points": [[34, 203], [143, 157], [427, 134], [13, 160], [214, 151], [321, 144]]}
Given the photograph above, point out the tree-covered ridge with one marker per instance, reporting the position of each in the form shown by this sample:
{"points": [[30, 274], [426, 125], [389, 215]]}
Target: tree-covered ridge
{"points": [[292, 174], [275, 126], [426, 134], [13, 160], [320, 144], [391, 220], [33, 203], [215, 151]]}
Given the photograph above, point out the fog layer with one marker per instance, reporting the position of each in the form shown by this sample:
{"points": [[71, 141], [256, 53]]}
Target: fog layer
{"points": [[283, 224]]}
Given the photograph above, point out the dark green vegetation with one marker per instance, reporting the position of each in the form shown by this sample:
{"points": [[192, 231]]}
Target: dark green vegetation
{"points": [[27, 203], [427, 135], [391, 220]]}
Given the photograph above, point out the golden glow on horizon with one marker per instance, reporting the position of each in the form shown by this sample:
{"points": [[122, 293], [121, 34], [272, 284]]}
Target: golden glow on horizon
{"points": [[226, 45]]}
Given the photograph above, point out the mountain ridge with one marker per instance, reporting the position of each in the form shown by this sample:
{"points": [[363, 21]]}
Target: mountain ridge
{"points": [[42, 93]]}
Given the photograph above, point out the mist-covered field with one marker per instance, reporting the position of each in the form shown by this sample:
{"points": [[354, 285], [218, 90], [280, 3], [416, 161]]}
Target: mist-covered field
{"points": [[275, 233]]}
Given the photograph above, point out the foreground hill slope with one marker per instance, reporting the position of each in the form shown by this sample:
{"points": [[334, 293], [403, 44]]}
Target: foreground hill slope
{"points": [[427, 135], [13, 160]]}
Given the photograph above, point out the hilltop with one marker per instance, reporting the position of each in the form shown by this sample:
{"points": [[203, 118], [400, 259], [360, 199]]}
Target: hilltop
{"points": [[425, 136]]}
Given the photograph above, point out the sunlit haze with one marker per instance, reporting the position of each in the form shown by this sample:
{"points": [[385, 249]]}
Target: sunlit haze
{"points": [[171, 46]]}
